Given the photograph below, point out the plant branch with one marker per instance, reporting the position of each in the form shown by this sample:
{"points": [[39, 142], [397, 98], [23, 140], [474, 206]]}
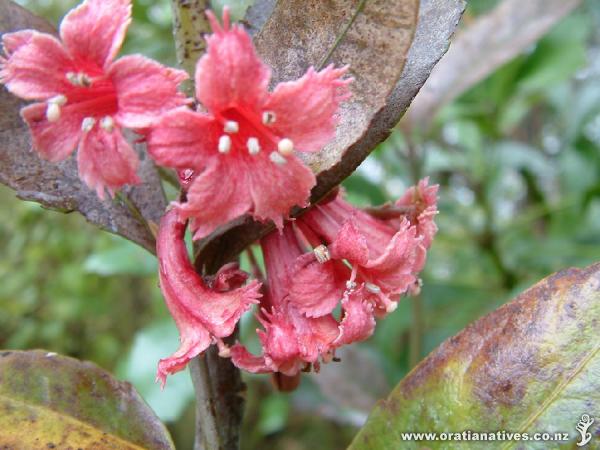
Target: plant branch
{"points": [[217, 382]]}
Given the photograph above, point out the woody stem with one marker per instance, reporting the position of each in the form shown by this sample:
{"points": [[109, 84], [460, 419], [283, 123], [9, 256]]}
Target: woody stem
{"points": [[217, 382]]}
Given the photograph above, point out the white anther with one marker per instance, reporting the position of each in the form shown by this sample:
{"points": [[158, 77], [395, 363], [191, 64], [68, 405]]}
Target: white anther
{"points": [[391, 307], [231, 126], [72, 77], [350, 285], [253, 146], [224, 144], [372, 288], [107, 124], [53, 112], [87, 124], [268, 117], [277, 158], [78, 79], [285, 147], [322, 254], [59, 100]]}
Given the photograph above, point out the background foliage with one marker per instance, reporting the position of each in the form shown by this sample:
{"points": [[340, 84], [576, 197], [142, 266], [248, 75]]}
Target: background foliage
{"points": [[517, 156]]}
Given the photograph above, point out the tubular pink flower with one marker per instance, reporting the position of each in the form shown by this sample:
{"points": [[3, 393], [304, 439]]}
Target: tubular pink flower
{"points": [[385, 255], [242, 149], [423, 199], [204, 314], [291, 341], [85, 97]]}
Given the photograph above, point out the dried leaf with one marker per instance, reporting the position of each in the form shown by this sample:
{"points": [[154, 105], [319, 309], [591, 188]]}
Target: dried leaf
{"points": [[374, 38], [530, 366], [51, 401], [57, 186], [482, 47]]}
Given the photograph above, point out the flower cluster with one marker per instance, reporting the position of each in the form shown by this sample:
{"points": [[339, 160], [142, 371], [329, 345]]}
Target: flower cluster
{"points": [[337, 255], [329, 274]]}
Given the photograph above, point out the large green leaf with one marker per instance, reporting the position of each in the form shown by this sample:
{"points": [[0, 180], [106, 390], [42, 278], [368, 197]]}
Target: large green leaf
{"points": [[532, 365], [51, 401]]}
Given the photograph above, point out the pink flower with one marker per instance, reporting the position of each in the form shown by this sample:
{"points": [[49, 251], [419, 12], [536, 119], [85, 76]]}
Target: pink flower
{"points": [[333, 255], [204, 313], [423, 201], [291, 341], [85, 97], [242, 150], [385, 255]]}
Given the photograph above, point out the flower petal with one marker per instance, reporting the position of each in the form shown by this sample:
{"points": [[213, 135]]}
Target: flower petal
{"points": [[54, 141], [350, 244], [275, 188], [183, 139], [230, 72], [423, 198], [242, 358], [358, 322], [12, 41], [201, 314], [36, 65], [106, 161], [306, 108], [216, 196], [316, 288], [145, 90], [94, 31]]}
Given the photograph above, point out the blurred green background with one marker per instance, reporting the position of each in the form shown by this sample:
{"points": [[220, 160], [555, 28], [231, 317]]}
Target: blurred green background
{"points": [[518, 161]]}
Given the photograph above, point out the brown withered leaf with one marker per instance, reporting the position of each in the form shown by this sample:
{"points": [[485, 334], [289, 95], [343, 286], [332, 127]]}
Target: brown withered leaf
{"points": [[374, 38], [530, 366], [492, 40], [51, 401], [57, 186]]}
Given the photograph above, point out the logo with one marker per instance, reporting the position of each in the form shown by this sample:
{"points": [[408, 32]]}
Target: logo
{"points": [[582, 426]]}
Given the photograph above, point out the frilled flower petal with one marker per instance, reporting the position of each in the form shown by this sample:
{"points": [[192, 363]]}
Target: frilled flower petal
{"points": [[198, 310], [231, 188], [36, 65], [106, 161], [184, 139], [350, 244], [358, 321], [317, 288], [242, 358], [12, 41], [230, 72], [145, 90], [94, 31], [306, 108], [215, 197], [315, 335], [423, 198], [275, 188], [396, 269], [54, 142]]}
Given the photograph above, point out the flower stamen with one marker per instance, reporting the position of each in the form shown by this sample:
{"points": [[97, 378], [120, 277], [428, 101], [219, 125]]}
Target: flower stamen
{"points": [[277, 158], [253, 146], [107, 124], [231, 126], [268, 118], [322, 254], [285, 147], [224, 144], [79, 79], [87, 124]]}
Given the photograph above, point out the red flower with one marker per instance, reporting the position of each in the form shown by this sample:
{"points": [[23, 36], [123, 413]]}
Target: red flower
{"points": [[204, 313], [333, 255], [291, 341], [242, 150], [85, 97]]}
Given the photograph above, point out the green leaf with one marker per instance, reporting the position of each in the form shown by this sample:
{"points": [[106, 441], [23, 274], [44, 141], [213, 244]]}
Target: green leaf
{"points": [[52, 401], [530, 366]]}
